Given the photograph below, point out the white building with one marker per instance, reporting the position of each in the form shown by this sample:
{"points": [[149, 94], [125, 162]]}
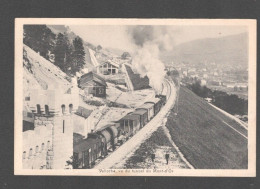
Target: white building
{"points": [[108, 68], [50, 144], [83, 122]]}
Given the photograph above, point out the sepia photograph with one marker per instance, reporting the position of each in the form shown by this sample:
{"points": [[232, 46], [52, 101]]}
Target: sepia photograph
{"points": [[135, 97]]}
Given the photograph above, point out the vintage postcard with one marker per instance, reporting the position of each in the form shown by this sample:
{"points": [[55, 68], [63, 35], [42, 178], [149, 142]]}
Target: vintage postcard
{"points": [[135, 97]]}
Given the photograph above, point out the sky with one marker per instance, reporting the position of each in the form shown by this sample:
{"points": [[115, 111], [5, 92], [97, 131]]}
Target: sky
{"points": [[120, 37]]}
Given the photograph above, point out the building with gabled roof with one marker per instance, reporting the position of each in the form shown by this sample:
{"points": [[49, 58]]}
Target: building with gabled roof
{"points": [[108, 68], [93, 84]]}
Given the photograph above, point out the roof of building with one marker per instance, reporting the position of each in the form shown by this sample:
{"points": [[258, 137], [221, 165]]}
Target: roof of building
{"points": [[146, 106], [114, 130], [140, 112], [107, 135], [153, 101], [130, 117], [91, 76], [83, 112], [110, 62]]}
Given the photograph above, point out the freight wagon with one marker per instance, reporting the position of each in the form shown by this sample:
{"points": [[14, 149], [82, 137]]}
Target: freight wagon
{"points": [[156, 105], [128, 125], [149, 108], [97, 144], [109, 133], [88, 150], [143, 116]]}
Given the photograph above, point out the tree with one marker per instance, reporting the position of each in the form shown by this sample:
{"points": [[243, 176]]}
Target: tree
{"points": [[230, 103], [125, 55], [99, 47], [78, 55], [40, 38], [63, 52], [74, 162]]}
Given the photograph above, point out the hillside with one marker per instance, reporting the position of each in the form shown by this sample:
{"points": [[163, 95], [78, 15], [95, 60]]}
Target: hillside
{"points": [[94, 54], [41, 73], [207, 138], [232, 50]]}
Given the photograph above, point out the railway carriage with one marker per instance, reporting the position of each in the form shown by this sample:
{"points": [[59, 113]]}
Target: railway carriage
{"points": [[143, 116], [88, 150], [149, 108], [96, 145], [109, 133], [156, 105], [129, 124]]}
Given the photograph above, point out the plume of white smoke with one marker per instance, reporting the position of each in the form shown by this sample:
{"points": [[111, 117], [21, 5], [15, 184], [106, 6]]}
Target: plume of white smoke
{"points": [[146, 63], [150, 40]]}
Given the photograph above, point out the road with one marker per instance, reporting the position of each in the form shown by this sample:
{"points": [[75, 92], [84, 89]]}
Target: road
{"points": [[133, 143]]}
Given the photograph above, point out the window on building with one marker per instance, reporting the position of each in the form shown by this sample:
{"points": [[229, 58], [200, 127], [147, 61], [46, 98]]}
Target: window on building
{"points": [[71, 108], [24, 154], [42, 146], [47, 112], [29, 114], [38, 109], [63, 109], [30, 152], [48, 144], [37, 149], [100, 91], [63, 126]]}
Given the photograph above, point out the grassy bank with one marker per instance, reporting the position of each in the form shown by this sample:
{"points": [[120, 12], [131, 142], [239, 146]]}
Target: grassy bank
{"points": [[202, 136]]}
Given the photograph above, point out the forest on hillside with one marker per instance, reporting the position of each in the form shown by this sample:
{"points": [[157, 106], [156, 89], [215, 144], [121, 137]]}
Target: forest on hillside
{"points": [[230, 103], [68, 55]]}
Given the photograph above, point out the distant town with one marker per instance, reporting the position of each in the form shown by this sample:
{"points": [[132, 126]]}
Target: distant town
{"points": [[227, 78]]}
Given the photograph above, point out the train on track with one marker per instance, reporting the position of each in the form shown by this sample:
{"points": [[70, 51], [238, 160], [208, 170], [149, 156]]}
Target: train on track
{"points": [[98, 144]]}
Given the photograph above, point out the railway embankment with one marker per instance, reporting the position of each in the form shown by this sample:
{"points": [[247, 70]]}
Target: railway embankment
{"points": [[207, 138]]}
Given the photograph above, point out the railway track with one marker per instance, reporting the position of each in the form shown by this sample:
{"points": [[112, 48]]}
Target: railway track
{"points": [[133, 143]]}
